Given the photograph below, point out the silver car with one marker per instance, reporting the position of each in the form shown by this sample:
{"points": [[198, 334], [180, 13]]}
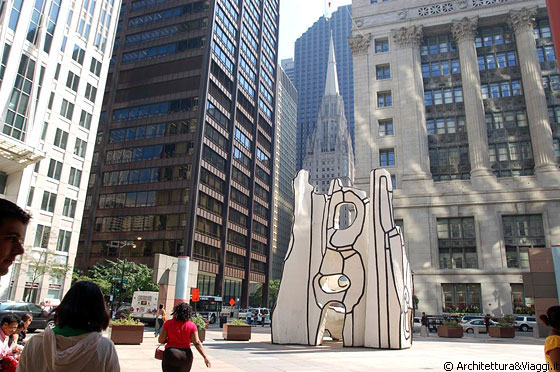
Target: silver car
{"points": [[476, 323], [525, 323]]}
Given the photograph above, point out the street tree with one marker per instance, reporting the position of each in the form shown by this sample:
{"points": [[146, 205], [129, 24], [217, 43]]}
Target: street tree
{"points": [[255, 298], [109, 274]]}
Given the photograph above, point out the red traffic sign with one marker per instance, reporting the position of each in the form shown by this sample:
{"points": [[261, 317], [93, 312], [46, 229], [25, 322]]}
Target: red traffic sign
{"points": [[195, 295], [231, 302]]}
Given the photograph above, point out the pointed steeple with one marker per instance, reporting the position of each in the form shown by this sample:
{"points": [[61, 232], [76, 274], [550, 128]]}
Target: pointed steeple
{"points": [[331, 84]]}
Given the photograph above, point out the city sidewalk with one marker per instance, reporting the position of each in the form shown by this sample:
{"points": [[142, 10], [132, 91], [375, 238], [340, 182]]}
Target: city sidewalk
{"points": [[259, 355]]}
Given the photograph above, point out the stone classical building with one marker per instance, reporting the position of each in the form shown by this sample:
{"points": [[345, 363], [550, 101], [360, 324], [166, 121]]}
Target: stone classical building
{"points": [[54, 61], [460, 101], [329, 153]]}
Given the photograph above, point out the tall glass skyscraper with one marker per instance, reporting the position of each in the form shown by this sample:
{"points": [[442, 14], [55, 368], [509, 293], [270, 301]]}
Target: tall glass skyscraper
{"points": [[284, 169], [185, 154], [311, 60]]}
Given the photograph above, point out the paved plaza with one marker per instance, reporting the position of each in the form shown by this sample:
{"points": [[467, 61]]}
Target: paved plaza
{"points": [[523, 353]]}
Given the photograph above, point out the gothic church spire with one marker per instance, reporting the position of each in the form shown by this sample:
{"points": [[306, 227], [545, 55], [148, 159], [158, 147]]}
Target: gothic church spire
{"points": [[331, 84]]}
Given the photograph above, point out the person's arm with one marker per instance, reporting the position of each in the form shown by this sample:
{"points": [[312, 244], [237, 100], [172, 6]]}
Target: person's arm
{"points": [[162, 339], [26, 357], [554, 355], [196, 342]]}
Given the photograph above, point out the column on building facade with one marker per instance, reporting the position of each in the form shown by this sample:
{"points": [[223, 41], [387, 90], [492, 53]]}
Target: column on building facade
{"points": [[408, 78], [359, 45], [464, 31], [521, 22]]}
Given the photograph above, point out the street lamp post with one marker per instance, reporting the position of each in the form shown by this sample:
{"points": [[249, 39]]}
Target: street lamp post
{"points": [[121, 246]]}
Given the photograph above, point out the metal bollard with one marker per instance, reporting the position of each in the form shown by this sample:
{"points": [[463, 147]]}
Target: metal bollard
{"points": [[476, 332]]}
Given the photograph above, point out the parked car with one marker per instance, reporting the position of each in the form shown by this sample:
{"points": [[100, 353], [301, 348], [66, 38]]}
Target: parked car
{"points": [[41, 319], [525, 323], [242, 314], [436, 320], [466, 318], [476, 323], [123, 311]]}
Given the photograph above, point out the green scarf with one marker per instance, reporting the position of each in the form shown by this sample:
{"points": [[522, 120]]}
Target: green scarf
{"points": [[68, 331]]}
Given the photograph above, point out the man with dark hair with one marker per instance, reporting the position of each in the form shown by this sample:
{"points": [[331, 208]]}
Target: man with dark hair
{"points": [[8, 328], [12, 229]]}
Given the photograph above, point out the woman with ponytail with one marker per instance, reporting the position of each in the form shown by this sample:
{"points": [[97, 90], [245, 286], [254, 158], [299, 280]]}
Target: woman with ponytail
{"points": [[552, 342]]}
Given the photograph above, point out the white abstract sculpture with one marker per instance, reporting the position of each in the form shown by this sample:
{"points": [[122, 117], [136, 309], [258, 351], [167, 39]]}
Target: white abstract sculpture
{"points": [[355, 282]]}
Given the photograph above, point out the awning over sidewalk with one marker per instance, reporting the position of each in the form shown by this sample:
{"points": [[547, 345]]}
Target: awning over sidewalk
{"points": [[16, 155]]}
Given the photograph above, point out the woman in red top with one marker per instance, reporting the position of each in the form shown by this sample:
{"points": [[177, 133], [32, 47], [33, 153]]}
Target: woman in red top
{"points": [[178, 333]]}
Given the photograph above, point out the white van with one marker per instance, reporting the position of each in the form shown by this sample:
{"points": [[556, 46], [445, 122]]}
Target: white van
{"points": [[144, 306], [263, 311]]}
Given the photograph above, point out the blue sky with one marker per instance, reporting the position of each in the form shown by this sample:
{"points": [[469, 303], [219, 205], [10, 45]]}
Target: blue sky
{"points": [[296, 16]]}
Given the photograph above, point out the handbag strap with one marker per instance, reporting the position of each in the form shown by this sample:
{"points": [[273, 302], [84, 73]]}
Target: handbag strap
{"points": [[159, 345]]}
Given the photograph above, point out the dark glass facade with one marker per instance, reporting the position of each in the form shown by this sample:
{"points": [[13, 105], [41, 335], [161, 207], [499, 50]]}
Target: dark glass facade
{"points": [[184, 157], [311, 56]]}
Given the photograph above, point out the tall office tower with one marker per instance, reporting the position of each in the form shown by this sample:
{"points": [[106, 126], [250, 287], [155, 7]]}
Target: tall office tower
{"points": [[460, 101], [311, 56], [184, 161], [54, 58], [284, 169], [329, 152], [289, 67]]}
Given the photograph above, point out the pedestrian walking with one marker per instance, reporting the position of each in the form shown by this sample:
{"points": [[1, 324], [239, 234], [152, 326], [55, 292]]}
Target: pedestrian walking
{"points": [[487, 322], [76, 343], [249, 317], [160, 319], [425, 324], [259, 318], [178, 333], [12, 226], [552, 342]]}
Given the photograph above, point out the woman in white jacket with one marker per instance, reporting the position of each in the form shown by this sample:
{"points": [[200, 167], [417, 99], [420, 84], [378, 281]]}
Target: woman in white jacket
{"points": [[75, 344]]}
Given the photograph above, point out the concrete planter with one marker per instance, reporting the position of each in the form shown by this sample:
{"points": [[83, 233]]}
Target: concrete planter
{"points": [[502, 332], [450, 332], [237, 332], [127, 334], [202, 334]]}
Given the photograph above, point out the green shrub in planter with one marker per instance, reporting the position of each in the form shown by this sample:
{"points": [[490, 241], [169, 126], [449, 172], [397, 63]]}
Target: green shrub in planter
{"points": [[451, 323], [201, 325], [199, 321], [502, 330], [126, 331], [237, 330], [126, 321]]}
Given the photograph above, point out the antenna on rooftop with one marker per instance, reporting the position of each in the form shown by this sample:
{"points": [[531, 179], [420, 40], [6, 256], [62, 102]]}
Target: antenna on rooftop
{"points": [[327, 8]]}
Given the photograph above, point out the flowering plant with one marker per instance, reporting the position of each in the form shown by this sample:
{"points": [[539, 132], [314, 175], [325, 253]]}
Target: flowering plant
{"points": [[9, 363]]}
